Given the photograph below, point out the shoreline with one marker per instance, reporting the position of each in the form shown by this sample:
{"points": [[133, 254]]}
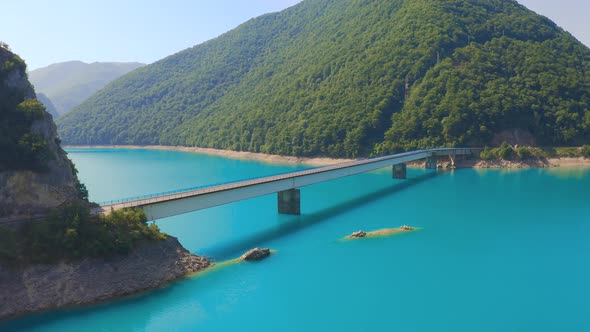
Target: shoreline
{"points": [[324, 161], [242, 155], [41, 287]]}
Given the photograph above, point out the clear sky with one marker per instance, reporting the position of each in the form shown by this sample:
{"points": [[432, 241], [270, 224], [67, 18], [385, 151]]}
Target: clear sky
{"points": [[572, 15], [43, 32], [49, 31]]}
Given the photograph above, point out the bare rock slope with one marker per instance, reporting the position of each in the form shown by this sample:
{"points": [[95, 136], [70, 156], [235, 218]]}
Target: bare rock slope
{"points": [[49, 286]]}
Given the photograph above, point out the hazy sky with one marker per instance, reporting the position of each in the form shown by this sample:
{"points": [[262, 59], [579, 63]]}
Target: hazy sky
{"points": [[49, 31], [571, 15]]}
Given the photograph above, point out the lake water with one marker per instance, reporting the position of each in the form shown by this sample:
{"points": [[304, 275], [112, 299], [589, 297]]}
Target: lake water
{"points": [[499, 250]]}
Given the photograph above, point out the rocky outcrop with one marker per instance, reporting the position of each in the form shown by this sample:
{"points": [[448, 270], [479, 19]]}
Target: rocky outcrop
{"points": [[26, 192], [358, 234], [256, 254], [498, 163], [380, 232], [501, 163], [41, 287], [35, 176]]}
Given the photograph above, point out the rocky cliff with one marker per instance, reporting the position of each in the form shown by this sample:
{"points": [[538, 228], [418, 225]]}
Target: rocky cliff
{"points": [[35, 173], [42, 287], [35, 176]]}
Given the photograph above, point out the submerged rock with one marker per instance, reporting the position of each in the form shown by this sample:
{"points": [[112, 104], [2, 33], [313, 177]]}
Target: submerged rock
{"points": [[256, 254], [358, 234]]}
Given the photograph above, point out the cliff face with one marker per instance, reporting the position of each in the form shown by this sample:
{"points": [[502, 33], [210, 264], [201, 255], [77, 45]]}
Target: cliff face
{"points": [[42, 287], [29, 132], [35, 176]]}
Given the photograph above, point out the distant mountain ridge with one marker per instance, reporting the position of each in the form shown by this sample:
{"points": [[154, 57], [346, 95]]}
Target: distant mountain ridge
{"points": [[326, 77], [49, 107], [67, 84]]}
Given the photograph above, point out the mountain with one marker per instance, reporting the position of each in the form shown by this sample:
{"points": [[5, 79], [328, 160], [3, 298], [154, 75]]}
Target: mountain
{"points": [[49, 107], [67, 84], [35, 173], [327, 77]]}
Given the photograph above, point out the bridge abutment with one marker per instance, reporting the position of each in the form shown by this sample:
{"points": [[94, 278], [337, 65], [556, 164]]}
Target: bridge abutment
{"points": [[289, 201], [431, 163], [399, 171]]}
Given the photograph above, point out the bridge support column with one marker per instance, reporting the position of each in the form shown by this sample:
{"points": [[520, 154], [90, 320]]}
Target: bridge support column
{"points": [[431, 163], [399, 171], [289, 201], [452, 158]]}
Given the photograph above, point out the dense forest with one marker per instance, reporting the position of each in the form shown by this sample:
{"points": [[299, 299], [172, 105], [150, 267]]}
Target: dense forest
{"points": [[326, 77]]}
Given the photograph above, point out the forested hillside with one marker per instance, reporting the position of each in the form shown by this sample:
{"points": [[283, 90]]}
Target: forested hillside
{"points": [[67, 84], [326, 77]]}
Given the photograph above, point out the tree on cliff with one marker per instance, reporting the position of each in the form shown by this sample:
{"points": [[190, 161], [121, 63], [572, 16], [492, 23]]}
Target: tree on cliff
{"points": [[36, 177]]}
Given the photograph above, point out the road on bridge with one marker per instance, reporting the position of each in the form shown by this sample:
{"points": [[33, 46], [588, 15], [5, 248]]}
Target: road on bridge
{"points": [[165, 205]]}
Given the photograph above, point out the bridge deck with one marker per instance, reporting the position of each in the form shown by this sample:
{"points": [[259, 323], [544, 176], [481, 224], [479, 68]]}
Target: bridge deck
{"points": [[182, 202]]}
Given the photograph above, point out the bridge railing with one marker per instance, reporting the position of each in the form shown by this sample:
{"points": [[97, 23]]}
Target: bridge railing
{"points": [[436, 151], [184, 190]]}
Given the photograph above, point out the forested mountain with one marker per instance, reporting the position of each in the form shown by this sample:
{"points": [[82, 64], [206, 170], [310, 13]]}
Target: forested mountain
{"points": [[326, 77], [67, 84]]}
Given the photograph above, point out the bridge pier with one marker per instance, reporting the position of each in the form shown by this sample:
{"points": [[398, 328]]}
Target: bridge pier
{"points": [[399, 171], [289, 201], [431, 163]]}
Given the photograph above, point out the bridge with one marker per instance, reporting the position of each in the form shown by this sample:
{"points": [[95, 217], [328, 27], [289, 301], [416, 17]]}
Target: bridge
{"points": [[286, 185]]}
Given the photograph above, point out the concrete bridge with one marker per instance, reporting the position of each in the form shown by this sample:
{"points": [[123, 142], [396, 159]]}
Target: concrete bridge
{"points": [[286, 185]]}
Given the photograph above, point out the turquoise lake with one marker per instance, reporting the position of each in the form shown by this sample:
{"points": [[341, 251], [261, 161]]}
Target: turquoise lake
{"points": [[499, 250]]}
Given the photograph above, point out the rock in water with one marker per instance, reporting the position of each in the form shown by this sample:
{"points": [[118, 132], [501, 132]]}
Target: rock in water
{"points": [[358, 234], [256, 254], [407, 228]]}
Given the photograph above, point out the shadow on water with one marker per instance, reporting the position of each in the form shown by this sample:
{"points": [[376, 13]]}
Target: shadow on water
{"points": [[295, 224]]}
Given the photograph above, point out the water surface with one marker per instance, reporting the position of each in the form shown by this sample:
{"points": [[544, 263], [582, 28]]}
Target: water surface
{"points": [[500, 250]]}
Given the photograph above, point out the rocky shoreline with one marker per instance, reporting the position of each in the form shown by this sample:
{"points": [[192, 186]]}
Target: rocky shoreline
{"points": [[40, 287], [523, 163], [243, 155], [324, 161]]}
